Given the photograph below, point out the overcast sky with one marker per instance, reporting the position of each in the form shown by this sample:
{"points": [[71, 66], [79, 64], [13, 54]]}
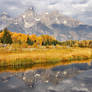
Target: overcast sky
{"points": [[80, 9]]}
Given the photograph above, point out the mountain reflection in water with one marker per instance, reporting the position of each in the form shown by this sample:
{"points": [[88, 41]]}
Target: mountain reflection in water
{"points": [[61, 77]]}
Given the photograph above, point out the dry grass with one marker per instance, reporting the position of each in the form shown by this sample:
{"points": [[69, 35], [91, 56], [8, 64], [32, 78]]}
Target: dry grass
{"points": [[52, 55]]}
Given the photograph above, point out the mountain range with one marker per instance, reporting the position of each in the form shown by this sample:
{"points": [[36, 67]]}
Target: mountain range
{"points": [[52, 23]]}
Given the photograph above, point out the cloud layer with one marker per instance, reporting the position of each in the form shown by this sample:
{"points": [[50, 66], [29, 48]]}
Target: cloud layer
{"points": [[79, 9]]}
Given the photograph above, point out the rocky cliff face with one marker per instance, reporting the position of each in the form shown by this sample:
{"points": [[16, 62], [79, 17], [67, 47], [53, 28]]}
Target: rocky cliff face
{"points": [[51, 23]]}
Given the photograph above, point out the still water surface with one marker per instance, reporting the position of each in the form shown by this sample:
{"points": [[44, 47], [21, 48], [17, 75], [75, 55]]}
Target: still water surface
{"points": [[62, 77]]}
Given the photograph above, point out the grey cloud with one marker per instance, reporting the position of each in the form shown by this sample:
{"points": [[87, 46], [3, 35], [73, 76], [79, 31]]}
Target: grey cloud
{"points": [[80, 1]]}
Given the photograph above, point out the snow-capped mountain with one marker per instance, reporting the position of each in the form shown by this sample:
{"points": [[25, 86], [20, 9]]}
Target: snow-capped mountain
{"points": [[52, 23], [5, 20]]}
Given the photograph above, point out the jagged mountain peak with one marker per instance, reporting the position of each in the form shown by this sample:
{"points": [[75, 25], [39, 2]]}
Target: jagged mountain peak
{"points": [[31, 8], [26, 19], [5, 19], [57, 17], [5, 14], [50, 22]]}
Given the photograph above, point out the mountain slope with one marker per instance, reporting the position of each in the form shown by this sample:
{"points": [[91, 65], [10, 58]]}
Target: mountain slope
{"points": [[51, 23], [5, 20]]}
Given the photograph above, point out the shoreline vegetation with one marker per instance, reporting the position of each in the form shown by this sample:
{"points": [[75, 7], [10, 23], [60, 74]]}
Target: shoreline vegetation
{"points": [[17, 49], [52, 56]]}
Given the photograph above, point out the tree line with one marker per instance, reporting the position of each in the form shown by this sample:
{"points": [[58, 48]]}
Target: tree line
{"points": [[8, 37], [78, 43]]}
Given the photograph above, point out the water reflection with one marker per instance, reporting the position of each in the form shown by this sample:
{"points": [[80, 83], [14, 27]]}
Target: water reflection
{"points": [[81, 65], [60, 77]]}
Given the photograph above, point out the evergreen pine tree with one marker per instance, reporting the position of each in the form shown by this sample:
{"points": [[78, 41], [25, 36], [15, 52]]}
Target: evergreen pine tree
{"points": [[6, 39], [29, 42]]}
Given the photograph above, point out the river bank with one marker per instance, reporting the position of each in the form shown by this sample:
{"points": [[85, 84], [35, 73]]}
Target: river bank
{"points": [[43, 56]]}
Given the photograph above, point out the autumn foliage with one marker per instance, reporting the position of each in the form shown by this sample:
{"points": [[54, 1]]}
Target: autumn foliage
{"points": [[25, 40], [8, 37]]}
